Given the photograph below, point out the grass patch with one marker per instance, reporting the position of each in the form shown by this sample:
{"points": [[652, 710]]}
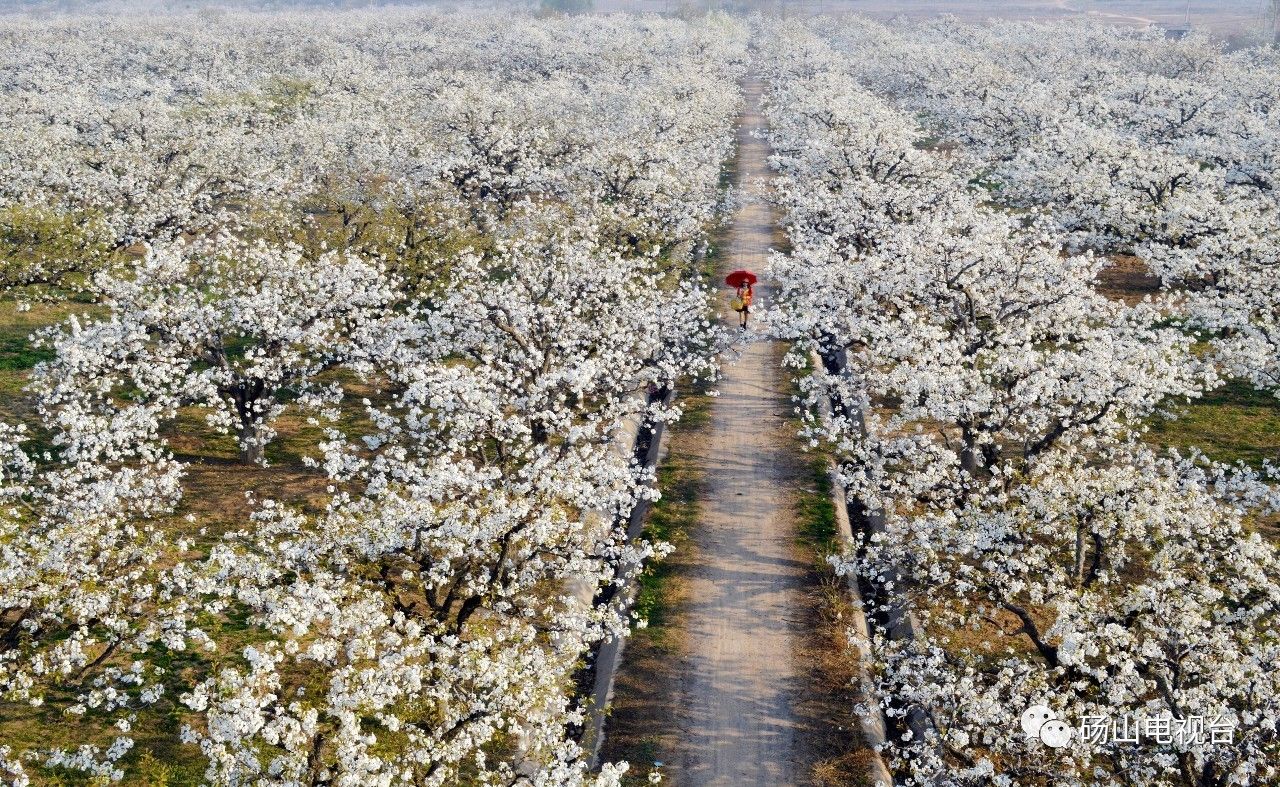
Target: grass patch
{"points": [[16, 327], [1235, 423], [673, 516], [816, 511], [814, 504], [18, 356], [638, 730], [16, 353], [829, 658]]}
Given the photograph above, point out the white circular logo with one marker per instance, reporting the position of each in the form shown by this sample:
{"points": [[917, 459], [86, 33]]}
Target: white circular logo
{"points": [[1040, 721], [1055, 734], [1033, 719]]}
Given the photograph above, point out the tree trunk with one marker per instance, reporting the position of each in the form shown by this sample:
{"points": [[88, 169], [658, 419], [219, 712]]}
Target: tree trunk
{"points": [[244, 396], [252, 446], [969, 452], [1077, 569]]}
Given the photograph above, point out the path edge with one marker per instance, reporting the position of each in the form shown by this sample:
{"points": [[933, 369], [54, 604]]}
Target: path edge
{"points": [[647, 444], [872, 724]]}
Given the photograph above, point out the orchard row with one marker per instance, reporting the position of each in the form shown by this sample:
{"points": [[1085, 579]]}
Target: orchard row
{"points": [[420, 270], [952, 197]]}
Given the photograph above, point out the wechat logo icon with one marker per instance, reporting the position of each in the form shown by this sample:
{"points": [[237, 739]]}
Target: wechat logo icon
{"points": [[1042, 723]]}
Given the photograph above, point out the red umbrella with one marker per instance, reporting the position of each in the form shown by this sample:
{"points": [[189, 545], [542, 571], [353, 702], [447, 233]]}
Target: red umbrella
{"points": [[740, 277]]}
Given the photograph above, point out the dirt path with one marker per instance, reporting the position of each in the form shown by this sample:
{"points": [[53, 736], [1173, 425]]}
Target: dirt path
{"points": [[741, 679], [738, 713]]}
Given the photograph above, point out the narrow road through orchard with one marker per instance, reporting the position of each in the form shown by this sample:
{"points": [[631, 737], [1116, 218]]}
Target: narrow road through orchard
{"points": [[738, 716]]}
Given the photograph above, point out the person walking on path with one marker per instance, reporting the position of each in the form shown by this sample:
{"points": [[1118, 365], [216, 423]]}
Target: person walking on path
{"points": [[742, 281], [744, 298]]}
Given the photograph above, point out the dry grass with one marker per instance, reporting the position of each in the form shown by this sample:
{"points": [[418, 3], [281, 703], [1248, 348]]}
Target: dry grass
{"points": [[832, 664], [846, 770], [641, 727], [828, 660]]}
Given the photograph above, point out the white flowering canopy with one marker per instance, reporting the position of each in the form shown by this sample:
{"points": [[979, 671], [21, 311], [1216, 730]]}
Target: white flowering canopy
{"points": [[420, 272], [1023, 546]]}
